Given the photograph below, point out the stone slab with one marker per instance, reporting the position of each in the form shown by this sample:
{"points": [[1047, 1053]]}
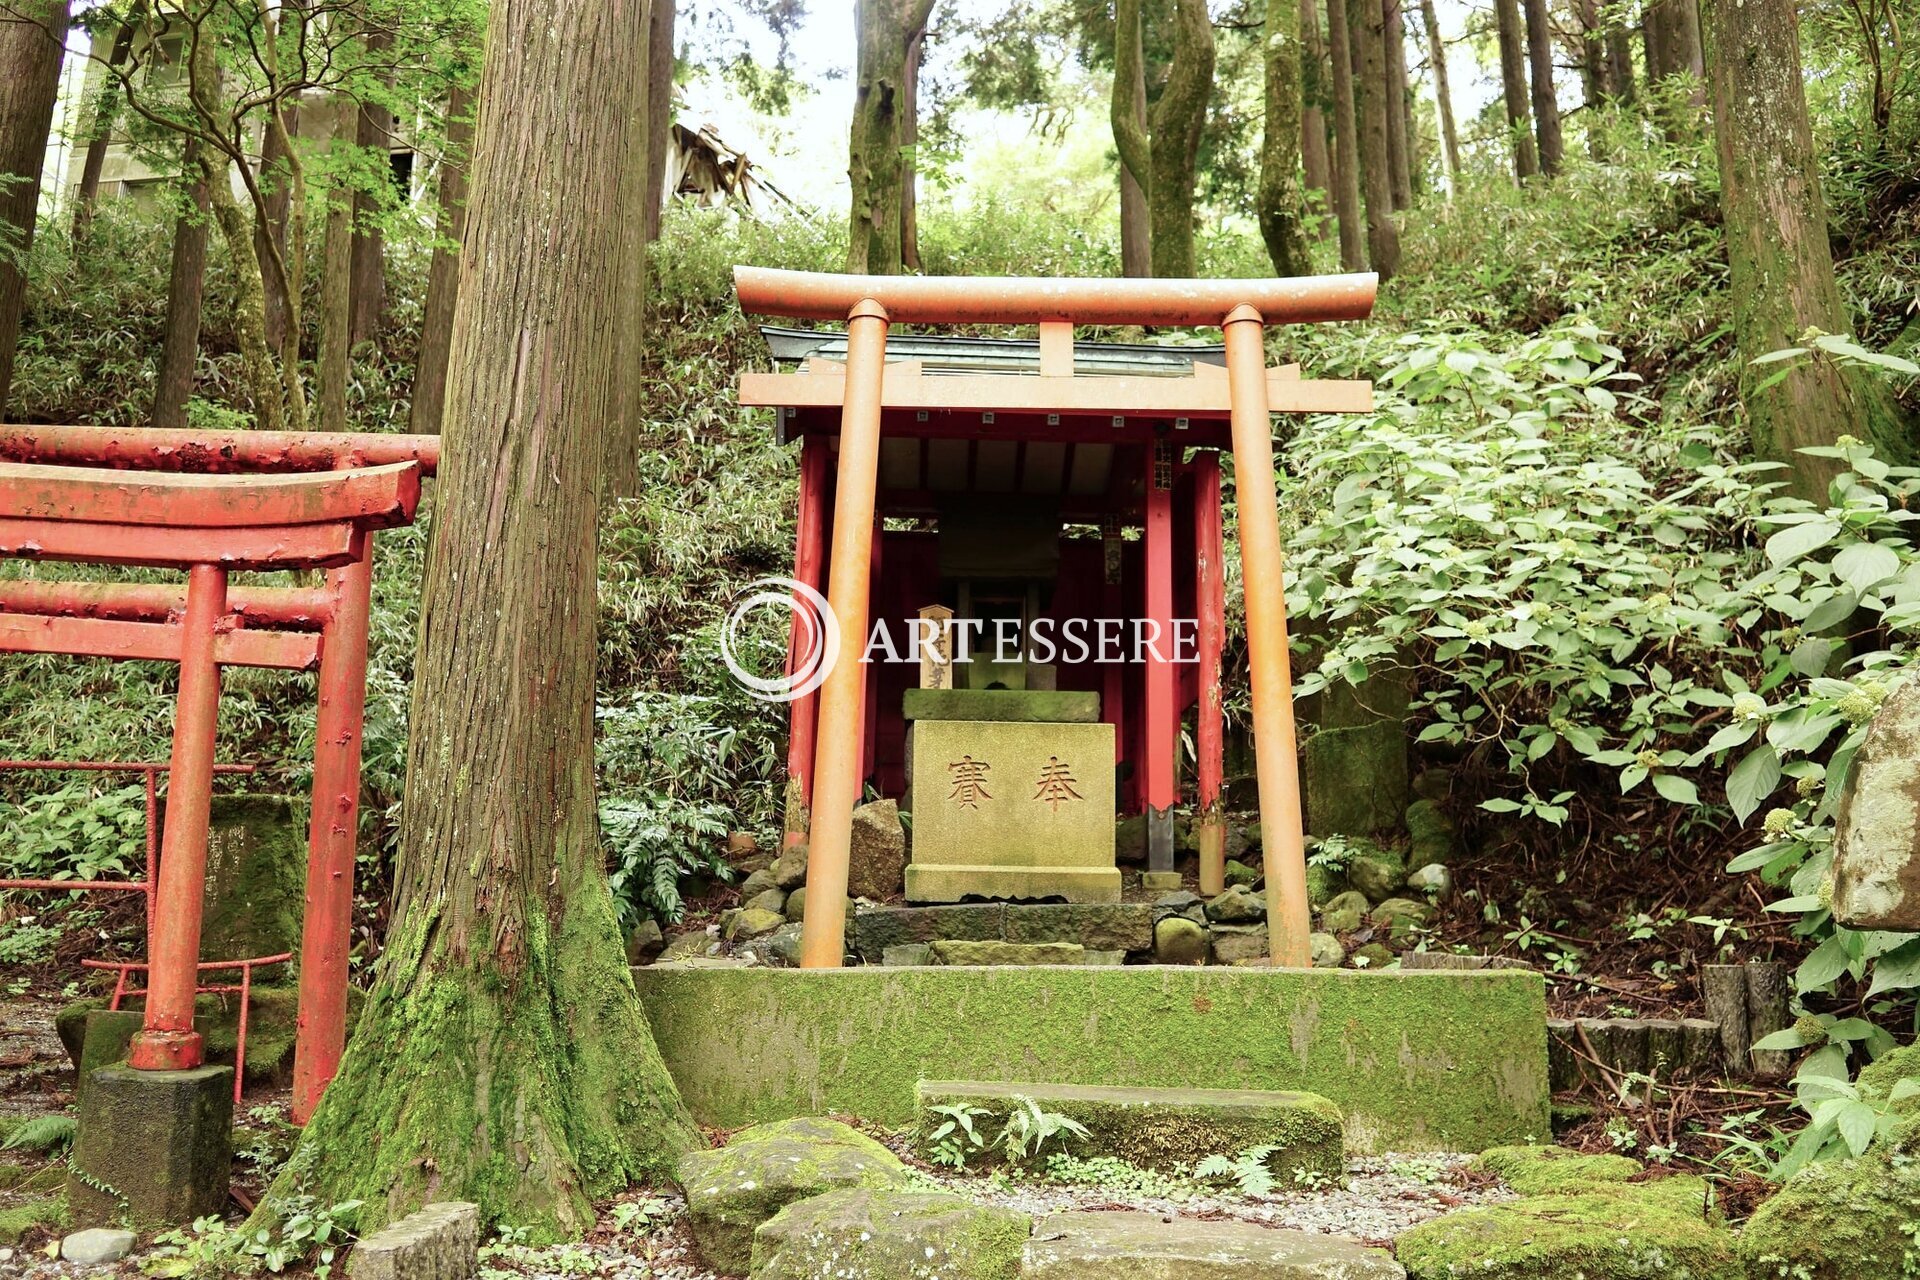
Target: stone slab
{"points": [[1030, 706], [1416, 1061], [1146, 1246], [437, 1242], [1354, 781], [1011, 810], [1164, 1129], [96, 1246], [955, 952], [154, 1149], [872, 932], [1107, 926], [1876, 832], [255, 893]]}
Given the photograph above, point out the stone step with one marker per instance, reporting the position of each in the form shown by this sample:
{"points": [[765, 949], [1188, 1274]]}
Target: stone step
{"points": [[1145, 1246], [1095, 926], [1166, 1129]]}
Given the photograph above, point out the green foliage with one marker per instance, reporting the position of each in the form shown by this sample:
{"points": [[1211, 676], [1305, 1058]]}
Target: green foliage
{"points": [[1110, 1173], [958, 1137], [23, 942], [80, 832], [309, 1235], [1029, 1129], [1247, 1172], [49, 1134], [1023, 1138]]}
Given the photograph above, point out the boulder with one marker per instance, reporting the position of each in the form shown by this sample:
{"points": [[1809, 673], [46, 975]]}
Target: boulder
{"points": [[96, 1246], [687, 946], [955, 951], [645, 942], [907, 955], [780, 949], [1180, 903], [1178, 940], [1346, 912], [1234, 944], [1876, 834], [1354, 781], [772, 901], [789, 870], [735, 1189], [884, 1234], [1149, 1246], [1238, 905], [1433, 880], [1379, 874], [749, 922], [1433, 784], [1400, 916], [758, 883], [1323, 884], [1239, 873], [877, 853], [1534, 1171], [741, 844], [1327, 951], [1430, 834], [1373, 955]]}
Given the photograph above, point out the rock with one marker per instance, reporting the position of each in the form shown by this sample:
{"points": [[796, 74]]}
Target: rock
{"points": [[645, 942], [96, 1246], [153, 1148], [877, 854], [1433, 880], [687, 946], [1534, 1171], [1166, 881], [1323, 884], [1093, 956], [1378, 874], [1591, 1231], [790, 869], [1849, 1218], [735, 1189], [1139, 1246], [1400, 916], [1434, 784], [956, 951], [1876, 835], [874, 931], [1238, 905], [1346, 912], [907, 955], [758, 883], [1429, 834], [1178, 940], [1239, 873], [1374, 955], [437, 1242], [781, 948], [1104, 926], [741, 844], [1231, 947], [773, 902], [1243, 837], [1327, 951], [1130, 840], [1180, 903], [878, 1234], [256, 879], [796, 905], [1354, 781], [749, 922]]}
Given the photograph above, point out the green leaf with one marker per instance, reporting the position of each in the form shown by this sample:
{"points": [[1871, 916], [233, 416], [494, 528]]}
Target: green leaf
{"points": [[1865, 565], [1797, 540], [1676, 788], [1780, 1041], [1829, 960], [1857, 1124], [1753, 780]]}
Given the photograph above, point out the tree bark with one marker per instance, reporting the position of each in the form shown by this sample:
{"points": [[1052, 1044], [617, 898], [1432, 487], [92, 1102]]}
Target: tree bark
{"points": [[1399, 107], [1546, 106], [503, 1056], [374, 132], [1620, 64], [660, 59], [1128, 110], [106, 112], [875, 160], [270, 233], [180, 349], [1281, 205], [1178, 119], [1689, 54], [1595, 80], [265, 380], [443, 277], [1315, 163], [334, 359], [909, 165], [1782, 278], [1513, 87], [1443, 95], [33, 36], [1367, 21], [1346, 136]]}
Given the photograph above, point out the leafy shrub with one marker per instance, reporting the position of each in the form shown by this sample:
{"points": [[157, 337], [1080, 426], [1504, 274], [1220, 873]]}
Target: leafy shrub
{"points": [[76, 833]]}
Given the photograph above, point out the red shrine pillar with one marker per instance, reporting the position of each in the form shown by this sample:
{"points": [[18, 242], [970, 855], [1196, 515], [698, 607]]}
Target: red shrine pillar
{"points": [[1162, 737], [1210, 608], [803, 713]]}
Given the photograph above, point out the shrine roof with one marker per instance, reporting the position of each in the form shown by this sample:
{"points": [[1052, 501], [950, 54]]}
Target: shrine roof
{"points": [[939, 353]]}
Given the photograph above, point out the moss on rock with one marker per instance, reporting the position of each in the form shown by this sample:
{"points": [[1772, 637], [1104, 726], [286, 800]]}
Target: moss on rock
{"points": [[891, 1235], [1534, 1171], [731, 1191], [21, 1220]]}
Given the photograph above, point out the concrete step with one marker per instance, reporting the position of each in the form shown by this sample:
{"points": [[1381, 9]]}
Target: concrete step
{"points": [[1145, 1246], [1096, 926], [1170, 1130]]}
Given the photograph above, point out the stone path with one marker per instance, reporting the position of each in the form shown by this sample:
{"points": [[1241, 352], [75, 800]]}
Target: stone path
{"points": [[35, 1076]]}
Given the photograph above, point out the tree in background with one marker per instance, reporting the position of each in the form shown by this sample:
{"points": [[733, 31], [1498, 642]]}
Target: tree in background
{"points": [[1442, 96], [660, 67], [1282, 207], [1315, 162], [1346, 134], [1782, 265], [186, 278], [876, 151], [1367, 23], [1162, 157], [33, 36], [443, 277], [1400, 127], [1546, 106], [106, 110], [1512, 37], [503, 1055]]}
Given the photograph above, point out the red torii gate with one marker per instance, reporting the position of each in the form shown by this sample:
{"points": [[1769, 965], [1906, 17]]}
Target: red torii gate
{"points": [[210, 503]]}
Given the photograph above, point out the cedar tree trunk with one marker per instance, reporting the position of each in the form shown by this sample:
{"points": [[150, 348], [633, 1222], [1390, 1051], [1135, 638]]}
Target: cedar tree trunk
{"points": [[1443, 95], [503, 1056], [33, 36], [1316, 165], [333, 365], [1513, 86], [1782, 268], [1399, 108], [659, 119], [100, 136], [1281, 204], [1130, 97], [276, 181], [1366, 20], [180, 350], [1178, 119], [373, 130], [443, 278], [1346, 136], [1546, 107], [909, 140], [876, 144]]}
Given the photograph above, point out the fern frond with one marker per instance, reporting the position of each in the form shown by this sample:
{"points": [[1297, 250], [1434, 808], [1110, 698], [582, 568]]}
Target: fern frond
{"points": [[43, 1133]]}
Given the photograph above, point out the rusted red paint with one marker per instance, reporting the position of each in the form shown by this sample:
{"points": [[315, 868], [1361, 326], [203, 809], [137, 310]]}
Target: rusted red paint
{"points": [[232, 452], [154, 642], [374, 498], [1209, 722], [296, 608]]}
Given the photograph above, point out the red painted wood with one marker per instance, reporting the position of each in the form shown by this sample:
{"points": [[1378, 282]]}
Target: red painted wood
{"points": [[159, 449], [154, 642], [1211, 610], [1162, 730], [372, 498], [809, 563], [302, 608], [308, 546]]}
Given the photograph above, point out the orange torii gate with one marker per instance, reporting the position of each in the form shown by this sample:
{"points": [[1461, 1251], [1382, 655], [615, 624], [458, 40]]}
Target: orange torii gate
{"points": [[211, 503], [867, 396]]}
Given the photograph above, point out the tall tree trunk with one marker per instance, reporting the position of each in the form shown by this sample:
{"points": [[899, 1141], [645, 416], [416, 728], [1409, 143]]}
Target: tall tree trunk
{"points": [[1595, 79], [1782, 267], [502, 1055], [1367, 21], [180, 349], [1130, 139], [443, 278], [1513, 87], [1314, 160], [1443, 95], [909, 163], [1178, 119], [1399, 107], [660, 56], [374, 132], [106, 111], [33, 36], [265, 379], [1346, 136], [1281, 205], [334, 363], [875, 160], [1546, 106], [1620, 63], [1688, 53], [1653, 39], [270, 235]]}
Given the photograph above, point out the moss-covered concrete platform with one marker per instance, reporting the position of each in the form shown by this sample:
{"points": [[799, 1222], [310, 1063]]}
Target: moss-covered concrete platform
{"points": [[1422, 1060]]}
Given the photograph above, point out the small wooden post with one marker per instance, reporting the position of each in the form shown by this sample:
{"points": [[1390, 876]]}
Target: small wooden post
{"points": [[936, 655], [1723, 987]]}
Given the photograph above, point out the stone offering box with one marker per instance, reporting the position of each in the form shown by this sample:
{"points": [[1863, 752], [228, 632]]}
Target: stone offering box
{"points": [[1012, 796]]}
